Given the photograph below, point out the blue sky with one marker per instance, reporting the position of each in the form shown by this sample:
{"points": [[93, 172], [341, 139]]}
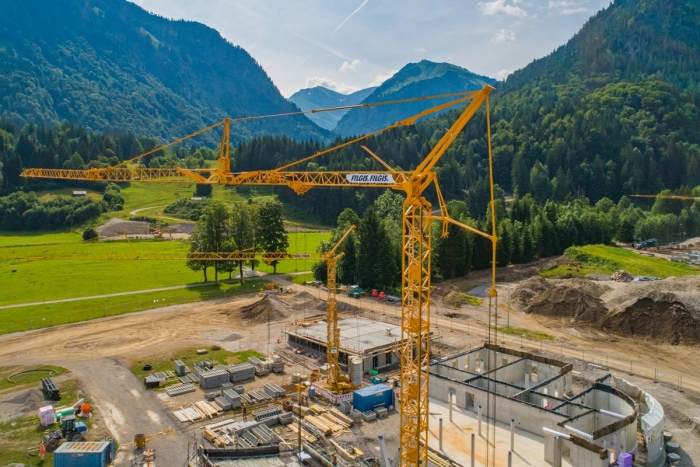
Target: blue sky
{"points": [[352, 44]]}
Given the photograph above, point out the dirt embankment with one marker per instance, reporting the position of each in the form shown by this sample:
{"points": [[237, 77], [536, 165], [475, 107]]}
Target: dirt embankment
{"points": [[666, 311]]}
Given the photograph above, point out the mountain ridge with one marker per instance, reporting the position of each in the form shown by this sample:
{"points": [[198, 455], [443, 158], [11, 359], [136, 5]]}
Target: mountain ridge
{"points": [[413, 80], [321, 97], [111, 66]]}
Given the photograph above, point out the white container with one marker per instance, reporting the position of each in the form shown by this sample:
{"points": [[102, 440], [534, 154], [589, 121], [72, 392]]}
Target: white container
{"points": [[47, 416]]}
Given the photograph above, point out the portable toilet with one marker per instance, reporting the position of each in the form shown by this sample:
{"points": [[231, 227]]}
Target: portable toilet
{"points": [[84, 454]]}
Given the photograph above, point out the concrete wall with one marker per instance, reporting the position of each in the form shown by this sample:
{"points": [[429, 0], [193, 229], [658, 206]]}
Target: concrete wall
{"points": [[529, 418]]}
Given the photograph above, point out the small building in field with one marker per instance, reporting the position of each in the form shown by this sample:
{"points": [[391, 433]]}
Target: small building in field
{"points": [[79, 192]]}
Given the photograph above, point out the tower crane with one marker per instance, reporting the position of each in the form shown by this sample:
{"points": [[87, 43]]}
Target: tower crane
{"points": [[416, 234], [336, 381]]}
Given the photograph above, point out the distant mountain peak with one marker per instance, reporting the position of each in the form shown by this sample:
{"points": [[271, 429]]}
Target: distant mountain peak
{"points": [[320, 97], [423, 78]]}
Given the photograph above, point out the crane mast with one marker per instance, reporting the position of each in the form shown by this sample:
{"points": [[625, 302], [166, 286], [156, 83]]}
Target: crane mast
{"points": [[416, 236]]}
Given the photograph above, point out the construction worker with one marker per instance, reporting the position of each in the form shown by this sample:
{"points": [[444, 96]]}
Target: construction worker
{"points": [[42, 451], [245, 413]]}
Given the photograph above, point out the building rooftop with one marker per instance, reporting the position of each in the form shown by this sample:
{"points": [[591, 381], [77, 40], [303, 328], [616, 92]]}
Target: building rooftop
{"points": [[357, 335]]}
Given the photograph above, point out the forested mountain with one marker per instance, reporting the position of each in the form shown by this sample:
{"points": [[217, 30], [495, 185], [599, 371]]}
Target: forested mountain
{"points": [[319, 97], [109, 65], [424, 78]]}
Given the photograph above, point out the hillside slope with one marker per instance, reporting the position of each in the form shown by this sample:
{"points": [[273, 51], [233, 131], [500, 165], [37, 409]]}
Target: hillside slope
{"points": [[110, 65], [413, 80], [319, 97]]}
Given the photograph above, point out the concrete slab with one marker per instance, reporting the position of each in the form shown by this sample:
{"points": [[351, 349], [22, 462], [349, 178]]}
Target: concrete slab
{"points": [[357, 335], [456, 440]]}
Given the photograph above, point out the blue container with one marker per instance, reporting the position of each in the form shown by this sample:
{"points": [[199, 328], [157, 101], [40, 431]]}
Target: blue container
{"points": [[371, 397], [312, 391], [84, 454]]}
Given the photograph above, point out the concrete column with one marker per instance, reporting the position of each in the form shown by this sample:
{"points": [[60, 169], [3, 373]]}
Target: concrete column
{"points": [[441, 433], [527, 380], [510, 458], [512, 434], [473, 448], [616, 444], [556, 459], [450, 400], [479, 420]]}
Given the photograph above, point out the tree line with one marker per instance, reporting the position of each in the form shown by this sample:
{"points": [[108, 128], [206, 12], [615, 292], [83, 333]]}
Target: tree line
{"points": [[237, 227], [527, 230], [25, 211]]}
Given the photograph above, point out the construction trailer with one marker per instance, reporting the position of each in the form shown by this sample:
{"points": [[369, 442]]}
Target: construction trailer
{"points": [[84, 454]]}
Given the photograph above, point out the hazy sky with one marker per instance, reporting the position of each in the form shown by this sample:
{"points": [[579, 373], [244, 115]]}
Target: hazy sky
{"points": [[352, 44]]}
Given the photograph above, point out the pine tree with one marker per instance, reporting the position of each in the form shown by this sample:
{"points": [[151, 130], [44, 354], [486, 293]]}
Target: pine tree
{"points": [[271, 236]]}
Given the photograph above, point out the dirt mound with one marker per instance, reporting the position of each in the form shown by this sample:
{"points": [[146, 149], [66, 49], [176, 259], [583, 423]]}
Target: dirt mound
{"points": [[578, 300], [527, 290], [662, 320], [116, 227], [454, 300], [268, 307], [685, 290]]}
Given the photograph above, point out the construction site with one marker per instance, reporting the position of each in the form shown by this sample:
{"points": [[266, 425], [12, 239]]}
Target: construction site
{"points": [[298, 375]]}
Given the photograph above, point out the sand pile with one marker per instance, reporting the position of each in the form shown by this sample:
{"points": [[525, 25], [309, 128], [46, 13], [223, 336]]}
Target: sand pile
{"points": [[527, 290], [268, 307], [304, 301], [578, 299]]}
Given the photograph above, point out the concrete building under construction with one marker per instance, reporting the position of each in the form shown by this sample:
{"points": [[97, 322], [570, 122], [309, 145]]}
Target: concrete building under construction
{"points": [[533, 394], [375, 342]]}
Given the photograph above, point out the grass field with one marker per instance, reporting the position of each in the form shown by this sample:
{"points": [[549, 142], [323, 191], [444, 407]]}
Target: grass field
{"points": [[300, 278], [43, 280], [189, 356], [603, 259], [29, 378], [53, 314], [526, 333]]}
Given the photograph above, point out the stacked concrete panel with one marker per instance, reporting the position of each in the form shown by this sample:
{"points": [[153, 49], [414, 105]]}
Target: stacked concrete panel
{"points": [[255, 361], [274, 390], [345, 407], [180, 368], [239, 389], [277, 366], [212, 378], [179, 389], [232, 397], [224, 403], [267, 413], [241, 372]]}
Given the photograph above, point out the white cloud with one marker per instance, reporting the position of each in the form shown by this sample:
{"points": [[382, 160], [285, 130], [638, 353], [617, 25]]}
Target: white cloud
{"points": [[503, 74], [420, 50], [568, 7], [342, 23], [379, 79], [350, 66], [504, 36], [500, 8], [330, 84]]}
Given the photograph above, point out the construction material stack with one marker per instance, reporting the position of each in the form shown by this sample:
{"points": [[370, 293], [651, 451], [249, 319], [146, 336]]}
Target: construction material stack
{"points": [[213, 378], [241, 372]]}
